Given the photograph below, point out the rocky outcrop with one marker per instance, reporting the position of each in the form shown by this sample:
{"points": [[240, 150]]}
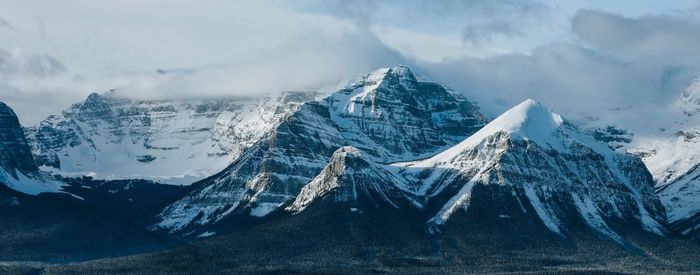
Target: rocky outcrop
{"points": [[352, 180], [17, 167]]}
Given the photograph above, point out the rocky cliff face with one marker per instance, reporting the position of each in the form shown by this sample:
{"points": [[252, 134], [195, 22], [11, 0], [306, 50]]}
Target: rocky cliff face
{"points": [[17, 167], [173, 141], [388, 115], [529, 167], [532, 156], [352, 180], [16, 154], [682, 201]]}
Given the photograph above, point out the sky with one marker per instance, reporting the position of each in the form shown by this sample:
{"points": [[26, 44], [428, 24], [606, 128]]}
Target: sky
{"points": [[586, 59]]}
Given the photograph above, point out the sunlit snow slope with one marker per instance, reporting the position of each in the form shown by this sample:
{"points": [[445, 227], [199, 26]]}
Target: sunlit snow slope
{"points": [[171, 141]]}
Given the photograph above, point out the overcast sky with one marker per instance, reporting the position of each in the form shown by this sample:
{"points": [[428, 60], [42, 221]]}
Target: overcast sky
{"points": [[579, 57]]}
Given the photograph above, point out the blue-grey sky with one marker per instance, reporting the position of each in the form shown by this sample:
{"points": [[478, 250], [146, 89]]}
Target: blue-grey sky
{"points": [[599, 54]]}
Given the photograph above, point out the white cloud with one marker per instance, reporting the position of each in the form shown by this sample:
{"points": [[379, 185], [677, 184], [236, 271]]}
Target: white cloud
{"points": [[666, 39], [513, 49], [615, 63], [226, 48], [4, 24]]}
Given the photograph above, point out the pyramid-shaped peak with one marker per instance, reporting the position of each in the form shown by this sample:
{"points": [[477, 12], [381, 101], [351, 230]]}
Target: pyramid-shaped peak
{"points": [[529, 118]]}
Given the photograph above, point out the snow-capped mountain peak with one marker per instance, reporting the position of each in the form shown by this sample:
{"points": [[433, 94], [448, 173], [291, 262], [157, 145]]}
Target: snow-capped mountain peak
{"points": [[351, 178], [535, 156], [367, 87], [528, 120], [387, 115]]}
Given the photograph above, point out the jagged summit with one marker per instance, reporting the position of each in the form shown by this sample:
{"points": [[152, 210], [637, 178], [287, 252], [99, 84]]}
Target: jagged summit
{"points": [[356, 94], [399, 72], [389, 104], [351, 179], [388, 115]]}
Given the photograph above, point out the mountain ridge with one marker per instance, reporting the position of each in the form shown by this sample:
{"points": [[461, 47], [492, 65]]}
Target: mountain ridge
{"points": [[173, 141], [389, 123]]}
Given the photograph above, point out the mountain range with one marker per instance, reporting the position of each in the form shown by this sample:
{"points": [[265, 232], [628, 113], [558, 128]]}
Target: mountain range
{"points": [[391, 172]]}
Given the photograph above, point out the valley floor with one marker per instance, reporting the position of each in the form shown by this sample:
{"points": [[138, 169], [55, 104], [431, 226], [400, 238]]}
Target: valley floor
{"points": [[385, 243]]}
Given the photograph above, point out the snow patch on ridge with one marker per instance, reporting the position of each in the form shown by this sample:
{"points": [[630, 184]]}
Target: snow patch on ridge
{"points": [[592, 216], [29, 185]]}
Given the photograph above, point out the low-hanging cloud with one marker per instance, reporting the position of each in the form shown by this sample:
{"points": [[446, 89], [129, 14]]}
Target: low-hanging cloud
{"points": [[665, 39], [241, 48], [5, 24], [484, 33], [610, 62], [482, 19], [619, 63], [307, 63], [16, 63], [311, 65]]}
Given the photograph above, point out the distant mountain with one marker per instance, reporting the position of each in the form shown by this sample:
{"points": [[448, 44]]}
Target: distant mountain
{"points": [[351, 179], [671, 153], [43, 219], [390, 174], [682, 200], [527, 164], [17, 167], [172, 141], [528, 193], [673, 157], [388, 115], [531, 162]]}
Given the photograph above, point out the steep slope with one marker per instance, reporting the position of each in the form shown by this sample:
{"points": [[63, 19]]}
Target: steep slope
{"points": [[388, 115], [172, 141], [673, 157], [681, 198], [354, 217], [670, 153], [17, 167], [531, 162], [350, 179]]}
